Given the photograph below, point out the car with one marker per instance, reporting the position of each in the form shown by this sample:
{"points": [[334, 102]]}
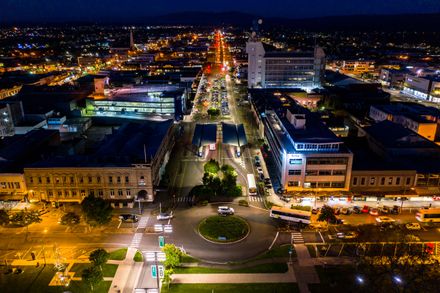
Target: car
{"points": [[413, 226], [345, 211], [285, 198], [164, 216], [257, 164], [385, 210], [357, 210], [395, 210], [261, 176], [281, 191], [336, 211], [365, 209], [225, 210], [129, 218], [347, 235], [259, 170], [385, 219], [315, 211], [374, 212], [257, 159], [267, 183]]}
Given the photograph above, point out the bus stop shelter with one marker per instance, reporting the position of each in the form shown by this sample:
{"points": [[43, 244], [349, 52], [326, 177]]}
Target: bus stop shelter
{"points": [[204, 135], [234, 135]]}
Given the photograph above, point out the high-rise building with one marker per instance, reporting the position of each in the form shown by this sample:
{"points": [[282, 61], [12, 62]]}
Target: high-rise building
{"points": [[281, 69]]}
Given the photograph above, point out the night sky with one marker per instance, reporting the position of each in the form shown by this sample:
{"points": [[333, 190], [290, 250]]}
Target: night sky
{"points": [[117, 10]]}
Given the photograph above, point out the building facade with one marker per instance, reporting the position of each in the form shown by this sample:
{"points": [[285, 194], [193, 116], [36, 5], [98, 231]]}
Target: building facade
{"points": [[12, 186], [274, 69]]}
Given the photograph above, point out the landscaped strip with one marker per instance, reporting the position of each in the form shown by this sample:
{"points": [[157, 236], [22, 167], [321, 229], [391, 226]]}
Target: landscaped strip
{"points": [[232, 288], [258, 269]]}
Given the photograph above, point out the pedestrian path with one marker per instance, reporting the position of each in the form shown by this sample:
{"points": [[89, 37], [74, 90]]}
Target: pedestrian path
{"points": [[143, 223], [255, 198], [136, 241], [297, 238], [288, 277]]}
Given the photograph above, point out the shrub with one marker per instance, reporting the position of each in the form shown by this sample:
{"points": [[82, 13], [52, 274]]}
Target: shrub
{"points": [[301, 208]]}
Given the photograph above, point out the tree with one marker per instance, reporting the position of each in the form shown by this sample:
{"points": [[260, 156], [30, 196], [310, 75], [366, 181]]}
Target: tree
{"points": [[407, 271], [4, 217], [70, 219], [96, 209], [173, 256], [167, 277], [99, 257], [211, 166], [92, 276], [26, 218], [327, 214], [213, 112]]}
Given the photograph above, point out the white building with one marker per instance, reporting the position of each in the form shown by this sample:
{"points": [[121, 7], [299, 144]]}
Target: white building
{"points": [[281, 69]]}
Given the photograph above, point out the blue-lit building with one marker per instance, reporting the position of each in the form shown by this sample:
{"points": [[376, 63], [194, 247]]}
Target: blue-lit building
{"points": [[307, 155]]}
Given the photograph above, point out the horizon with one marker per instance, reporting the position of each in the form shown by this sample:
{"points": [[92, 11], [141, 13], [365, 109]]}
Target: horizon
{"points": [[93, 11]]}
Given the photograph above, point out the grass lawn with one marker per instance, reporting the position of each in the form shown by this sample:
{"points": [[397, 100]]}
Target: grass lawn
{"points": [[138, 257], [108, 270], [279, 251], [230, 227], [37, 280], [265, 268], [242, 288], [118, 254]]}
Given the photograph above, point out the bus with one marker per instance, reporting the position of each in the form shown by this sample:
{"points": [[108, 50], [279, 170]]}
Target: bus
{"points": [[428, 215], [252, 187], [290, 215]]}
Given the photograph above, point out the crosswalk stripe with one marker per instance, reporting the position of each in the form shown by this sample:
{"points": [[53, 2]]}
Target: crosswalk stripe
{"points": [[143, 223], [255, 198], [297, 237], [136, 241]]}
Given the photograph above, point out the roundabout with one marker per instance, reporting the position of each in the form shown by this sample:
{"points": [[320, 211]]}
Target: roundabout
{"points": [[221, 229], [260, 235]]}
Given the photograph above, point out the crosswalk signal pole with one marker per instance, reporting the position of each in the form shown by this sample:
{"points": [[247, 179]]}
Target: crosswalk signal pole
{"points": [[157, 271]]}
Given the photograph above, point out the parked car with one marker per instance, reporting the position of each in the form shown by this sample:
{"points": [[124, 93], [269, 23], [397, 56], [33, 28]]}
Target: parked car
{"points": [[129, 218], [365, 209], [225, 210], [285, 198], [345, 211], [257, 159], [395, 210], [336, 211], [385, 210], [260, 170], [267, 183], [281, 191], [165, 216], [374, 212], [315, 211], [385, 219], [357, 210], [413, 226], [257, 164], [347, 235]]}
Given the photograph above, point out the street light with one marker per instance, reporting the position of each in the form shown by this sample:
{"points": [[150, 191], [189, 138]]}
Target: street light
{"points": [[397, 279], [360, 280]]}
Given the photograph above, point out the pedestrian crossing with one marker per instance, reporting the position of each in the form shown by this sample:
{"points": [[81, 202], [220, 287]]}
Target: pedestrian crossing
{"points": [[184, 199], [297, 238], [136, 241], [143, 223], [256, 198]]}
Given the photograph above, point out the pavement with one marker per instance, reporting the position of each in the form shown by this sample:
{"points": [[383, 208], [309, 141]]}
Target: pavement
{"points": [[127, 273], [288, 277]]}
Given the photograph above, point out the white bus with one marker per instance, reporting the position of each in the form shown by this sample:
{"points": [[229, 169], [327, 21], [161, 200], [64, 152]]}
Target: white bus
{"points": [[252, 187], [286, 214], [428, 215]]}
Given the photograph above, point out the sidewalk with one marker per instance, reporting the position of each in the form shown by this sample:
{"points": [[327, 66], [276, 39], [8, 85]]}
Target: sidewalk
{"points": [[288, 277], [126, 274]]}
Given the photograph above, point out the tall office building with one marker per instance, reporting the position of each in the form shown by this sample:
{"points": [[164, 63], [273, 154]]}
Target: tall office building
{"points": [[280, 69]]}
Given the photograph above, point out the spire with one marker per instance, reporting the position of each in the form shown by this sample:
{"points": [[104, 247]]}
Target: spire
{"points": [[131, 40]]}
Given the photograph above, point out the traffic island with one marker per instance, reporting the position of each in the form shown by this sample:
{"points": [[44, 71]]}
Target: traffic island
{"points": [[223, 229]]}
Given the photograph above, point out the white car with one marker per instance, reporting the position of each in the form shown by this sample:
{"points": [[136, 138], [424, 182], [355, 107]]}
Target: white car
{"points": [[165, 216], [260, 170], [385, 219], [224, 210], [413, 226]]}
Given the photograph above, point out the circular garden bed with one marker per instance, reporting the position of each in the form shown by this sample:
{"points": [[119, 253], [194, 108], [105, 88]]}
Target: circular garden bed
{"points": [[223, 229]]}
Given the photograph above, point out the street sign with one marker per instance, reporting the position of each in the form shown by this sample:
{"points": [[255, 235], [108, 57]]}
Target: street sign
{"points": [[153, 272], [161, 256], [161, 241], [161, 272], [158, 228], [168, 229]]}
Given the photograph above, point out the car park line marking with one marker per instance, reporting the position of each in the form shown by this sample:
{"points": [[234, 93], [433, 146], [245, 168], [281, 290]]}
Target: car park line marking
{"points": [[321, 236]]}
